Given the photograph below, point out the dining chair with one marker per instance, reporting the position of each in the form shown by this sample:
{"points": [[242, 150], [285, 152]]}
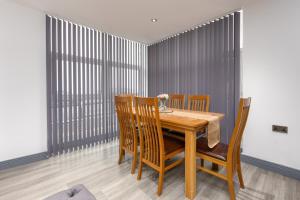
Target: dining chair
{"points": [[155, 148], [224, 155], [199, 103], [176, 101], [195, 103], [128, 132]]}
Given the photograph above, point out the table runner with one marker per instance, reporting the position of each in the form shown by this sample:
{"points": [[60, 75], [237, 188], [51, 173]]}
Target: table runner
{"points": [[213, 129]]}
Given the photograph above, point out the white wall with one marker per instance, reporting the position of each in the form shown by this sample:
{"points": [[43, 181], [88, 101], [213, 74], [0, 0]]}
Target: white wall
{"points": [[271, 76], [22, 81]]}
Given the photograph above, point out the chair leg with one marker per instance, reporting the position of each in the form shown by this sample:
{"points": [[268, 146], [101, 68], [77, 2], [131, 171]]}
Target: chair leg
{"points": [[121, 155], [202, 162], [239, 172], [231, 189], [230, 184], [140, 170], [160, 182], [133, 165]]}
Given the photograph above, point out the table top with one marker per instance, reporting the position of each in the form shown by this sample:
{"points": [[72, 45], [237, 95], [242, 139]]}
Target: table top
{"points": [[180, 121]]}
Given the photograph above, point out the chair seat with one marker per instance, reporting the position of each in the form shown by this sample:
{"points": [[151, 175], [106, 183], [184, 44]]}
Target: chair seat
{"points": [[172, 145], [219, 151]]}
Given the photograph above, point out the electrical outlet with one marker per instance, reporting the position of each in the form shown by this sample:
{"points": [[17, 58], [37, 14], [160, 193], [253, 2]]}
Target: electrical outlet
{"points": [[280, 129]]}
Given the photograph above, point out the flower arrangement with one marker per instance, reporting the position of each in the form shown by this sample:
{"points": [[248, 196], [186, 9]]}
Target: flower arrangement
{"points": [[162, 101], [163, 96]]}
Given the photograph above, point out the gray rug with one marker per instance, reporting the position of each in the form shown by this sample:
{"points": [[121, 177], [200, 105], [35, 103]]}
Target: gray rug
{"points": [[78, 192]]}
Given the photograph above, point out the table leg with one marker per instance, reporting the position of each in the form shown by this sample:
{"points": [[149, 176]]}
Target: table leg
{"points": [[190, 164]]}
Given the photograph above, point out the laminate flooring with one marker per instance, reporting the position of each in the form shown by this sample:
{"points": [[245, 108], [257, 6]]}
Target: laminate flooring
{"points": [[97, 169]]}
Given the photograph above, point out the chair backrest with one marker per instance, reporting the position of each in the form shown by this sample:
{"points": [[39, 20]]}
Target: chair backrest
{"points": [[128, 95], [128, 133], [198, 103], [151, 138], [176, 101], [236, 138]]}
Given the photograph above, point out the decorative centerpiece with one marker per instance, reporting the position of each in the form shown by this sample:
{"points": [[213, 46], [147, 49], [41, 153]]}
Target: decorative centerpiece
{"points": [[163, 98]]}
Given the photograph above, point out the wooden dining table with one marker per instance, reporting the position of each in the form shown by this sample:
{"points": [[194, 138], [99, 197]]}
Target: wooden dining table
{"points": [[189, 126]]}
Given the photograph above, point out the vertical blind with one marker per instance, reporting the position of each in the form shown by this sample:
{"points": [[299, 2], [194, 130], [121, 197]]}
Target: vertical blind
{"points": [[86, 68], [205, 60]]}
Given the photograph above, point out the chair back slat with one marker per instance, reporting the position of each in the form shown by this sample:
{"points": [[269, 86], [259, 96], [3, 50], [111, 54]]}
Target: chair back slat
{"points": [[176, 101], [151, 138], [236, 138], [123, 105], [199, 103]]}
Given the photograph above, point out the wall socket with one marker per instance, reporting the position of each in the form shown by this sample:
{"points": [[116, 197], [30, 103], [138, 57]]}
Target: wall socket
{"points": [[280, 129]]}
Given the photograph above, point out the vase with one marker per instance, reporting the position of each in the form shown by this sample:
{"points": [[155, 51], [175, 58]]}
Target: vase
{"points": [[162, 104]]}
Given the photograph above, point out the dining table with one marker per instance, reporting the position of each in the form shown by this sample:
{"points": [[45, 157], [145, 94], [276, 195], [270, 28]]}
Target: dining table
{"points": [[189, 123]]}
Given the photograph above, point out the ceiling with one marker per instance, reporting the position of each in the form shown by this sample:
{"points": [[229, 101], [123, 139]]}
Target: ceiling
{"points": [[131, 18]]}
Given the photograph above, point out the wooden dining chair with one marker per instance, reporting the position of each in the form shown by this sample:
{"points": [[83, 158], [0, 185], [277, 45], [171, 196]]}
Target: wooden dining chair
{"points": [[195, 103], [176, 101], [155, 148], [128, 132], [199, 103], [224, 155]]}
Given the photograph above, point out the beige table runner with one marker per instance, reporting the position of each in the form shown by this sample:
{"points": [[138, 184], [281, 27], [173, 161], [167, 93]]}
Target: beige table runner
{"points": [[213, 129]]}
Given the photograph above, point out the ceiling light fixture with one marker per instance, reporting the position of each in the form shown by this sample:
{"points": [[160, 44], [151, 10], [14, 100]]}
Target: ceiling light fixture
{"points": [[154, 20]]}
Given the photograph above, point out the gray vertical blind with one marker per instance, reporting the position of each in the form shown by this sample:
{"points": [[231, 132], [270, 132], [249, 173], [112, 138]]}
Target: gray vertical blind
{"points": [[86, 68], [205, 60]]}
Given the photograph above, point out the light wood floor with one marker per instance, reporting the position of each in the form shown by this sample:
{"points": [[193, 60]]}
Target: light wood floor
{"points": [[98, 170]]}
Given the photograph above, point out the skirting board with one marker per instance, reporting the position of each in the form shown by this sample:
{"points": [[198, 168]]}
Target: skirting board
{"points": [[23, 160], [280, 169]]}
